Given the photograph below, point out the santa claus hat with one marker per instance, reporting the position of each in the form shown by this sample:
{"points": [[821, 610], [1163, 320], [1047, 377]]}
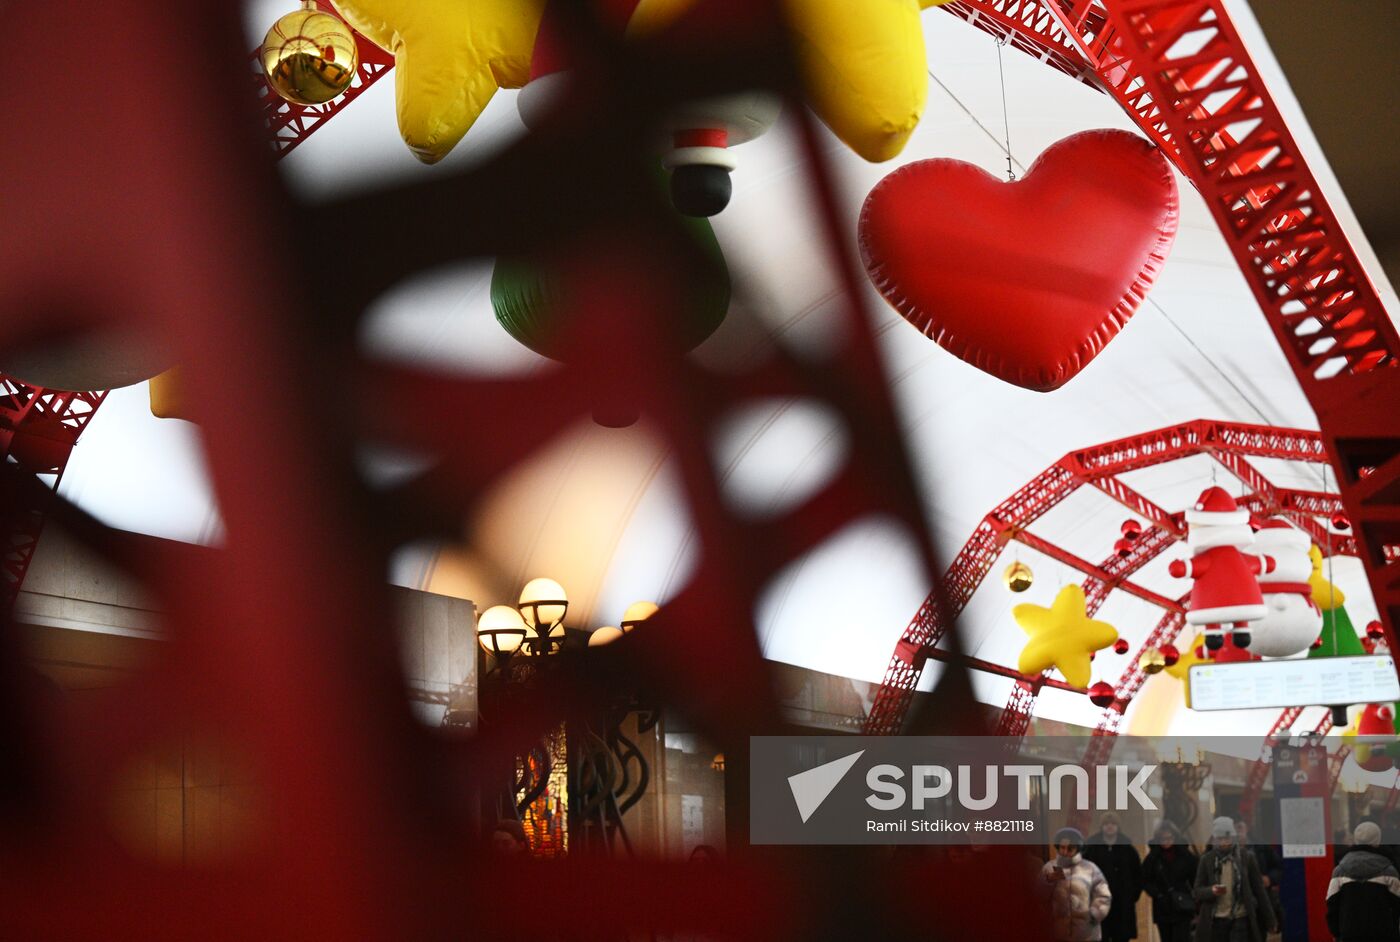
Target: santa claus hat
{"points": [[1215, 507]]}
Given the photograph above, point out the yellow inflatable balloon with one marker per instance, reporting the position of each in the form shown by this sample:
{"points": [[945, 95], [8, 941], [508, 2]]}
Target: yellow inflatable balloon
{"points": [[1324, 594], [1062, 636], [167, 395], [450, 57], [865, 67]]}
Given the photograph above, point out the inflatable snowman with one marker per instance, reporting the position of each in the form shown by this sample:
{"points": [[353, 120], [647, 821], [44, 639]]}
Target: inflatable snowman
{"points": [[1225, 592], [1293, 620]]}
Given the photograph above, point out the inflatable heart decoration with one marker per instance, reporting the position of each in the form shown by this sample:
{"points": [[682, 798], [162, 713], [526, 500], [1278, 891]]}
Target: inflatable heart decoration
{"points": [[1026, 280]]}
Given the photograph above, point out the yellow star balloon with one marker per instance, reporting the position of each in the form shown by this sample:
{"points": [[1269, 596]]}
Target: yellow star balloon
{"points": [[1062, 636], [450, 56], [1324, 594]]}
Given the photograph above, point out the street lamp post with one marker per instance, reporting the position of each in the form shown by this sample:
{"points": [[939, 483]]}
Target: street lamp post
{"points": [[571, 788]]}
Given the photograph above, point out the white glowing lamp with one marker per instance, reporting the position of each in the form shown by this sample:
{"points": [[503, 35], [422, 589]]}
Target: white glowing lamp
{"points": [[604, 635], [543, 602], [637, 613], [501, 629]]}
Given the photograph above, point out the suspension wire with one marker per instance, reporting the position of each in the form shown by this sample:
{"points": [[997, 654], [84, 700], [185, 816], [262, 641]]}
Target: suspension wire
{"points": [[1005, 120]]}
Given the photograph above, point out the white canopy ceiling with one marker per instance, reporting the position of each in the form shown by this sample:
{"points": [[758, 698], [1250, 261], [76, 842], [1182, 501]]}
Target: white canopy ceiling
{"points": [[601, 511]]}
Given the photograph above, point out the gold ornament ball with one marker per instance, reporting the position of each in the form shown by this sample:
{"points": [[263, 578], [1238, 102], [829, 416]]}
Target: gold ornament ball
{"points": [[309, 57], [1018, 577], [1153, 661]]}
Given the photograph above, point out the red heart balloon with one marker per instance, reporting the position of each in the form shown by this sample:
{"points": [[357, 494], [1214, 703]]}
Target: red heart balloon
{"points": [[1026, 280]]}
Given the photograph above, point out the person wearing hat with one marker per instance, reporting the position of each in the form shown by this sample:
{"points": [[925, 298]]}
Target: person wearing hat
{"points": [[1079, 895], [1363, 898], [1118, 860], [1229, 891], [1168, 876]]}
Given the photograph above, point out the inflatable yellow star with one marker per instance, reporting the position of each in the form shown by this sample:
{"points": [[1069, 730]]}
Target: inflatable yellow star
{"points": [[1324, 594], [865, 68], [1062, 636], [450, 57]]}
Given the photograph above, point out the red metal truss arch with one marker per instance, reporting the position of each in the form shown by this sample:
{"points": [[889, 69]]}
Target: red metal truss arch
{"points": [[38, 429], [1229, 443]]}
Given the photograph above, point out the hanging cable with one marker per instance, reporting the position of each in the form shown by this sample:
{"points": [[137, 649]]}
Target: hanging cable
{"points": [[1005, 119]]}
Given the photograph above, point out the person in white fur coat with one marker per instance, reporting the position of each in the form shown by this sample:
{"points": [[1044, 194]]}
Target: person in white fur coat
{"points": [[1079, 893], [1293, 621]]}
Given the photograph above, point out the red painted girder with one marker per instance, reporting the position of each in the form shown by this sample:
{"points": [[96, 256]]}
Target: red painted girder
{"points": [[1089, 569], [1033, 28], [1000, 670], [1015, 717], [1146, 548], [1138, 504], [1166, 632], [38, 428]]}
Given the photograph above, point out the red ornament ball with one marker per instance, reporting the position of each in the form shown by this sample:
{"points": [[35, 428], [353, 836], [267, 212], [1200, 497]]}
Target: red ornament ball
{"points": [[1101, 694], [1131, 529], [1340, 521], [1123, 547], [1375, 631], [1318, 642], [1170, 654], [1120, 646]]}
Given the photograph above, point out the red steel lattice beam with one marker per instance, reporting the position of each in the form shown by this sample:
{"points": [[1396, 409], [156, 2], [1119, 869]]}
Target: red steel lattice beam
{"points": [[38, 429]]}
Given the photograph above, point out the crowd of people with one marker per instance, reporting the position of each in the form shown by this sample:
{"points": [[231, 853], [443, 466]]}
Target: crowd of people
{"points": [[1228, 893]]}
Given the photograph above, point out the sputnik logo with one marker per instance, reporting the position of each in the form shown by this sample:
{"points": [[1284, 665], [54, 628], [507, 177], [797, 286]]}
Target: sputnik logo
{"points": [[811, 788]]}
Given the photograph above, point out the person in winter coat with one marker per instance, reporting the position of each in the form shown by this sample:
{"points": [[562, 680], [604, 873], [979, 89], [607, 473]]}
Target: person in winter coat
{"points": [[1270, 866], [1116, 856], [1079, 895], [1169, 876], [1363, 899], [1230, 898]]}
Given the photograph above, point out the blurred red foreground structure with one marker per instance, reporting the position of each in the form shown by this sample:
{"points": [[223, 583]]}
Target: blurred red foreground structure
{"points": [[129, 202]]}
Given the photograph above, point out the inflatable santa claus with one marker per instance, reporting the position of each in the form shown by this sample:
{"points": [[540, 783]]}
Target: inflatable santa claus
{"points": [[1293, 620], [1226, 588]]}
